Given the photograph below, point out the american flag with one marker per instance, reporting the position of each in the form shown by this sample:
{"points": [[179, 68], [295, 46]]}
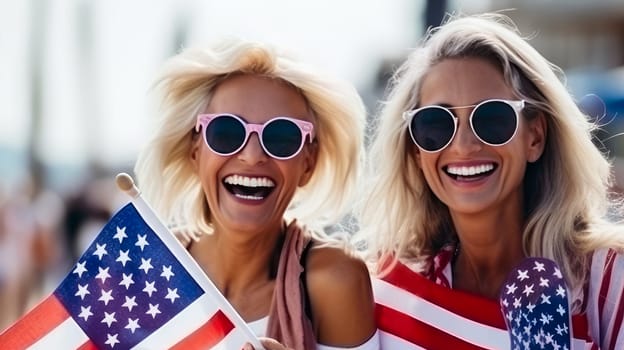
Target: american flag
{"points": [[415, 313], [534, 300], [134, 287]]}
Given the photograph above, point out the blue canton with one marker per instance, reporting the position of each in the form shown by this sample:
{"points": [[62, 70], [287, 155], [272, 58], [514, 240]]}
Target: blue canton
{"points": [[127, 284]]}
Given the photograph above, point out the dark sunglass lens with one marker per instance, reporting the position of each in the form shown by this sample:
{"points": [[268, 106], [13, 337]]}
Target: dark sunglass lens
{"points": [[282, 138], [432, 128], [225, 134], [495, 122]]}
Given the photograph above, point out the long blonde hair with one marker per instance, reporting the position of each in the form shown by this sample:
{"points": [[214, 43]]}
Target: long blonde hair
{"points": [[164, 170], [566, 192]]}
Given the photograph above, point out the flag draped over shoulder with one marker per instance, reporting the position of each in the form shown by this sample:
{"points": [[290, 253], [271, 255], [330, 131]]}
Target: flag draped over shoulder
{"points": [[134, 287], [413, 313]]}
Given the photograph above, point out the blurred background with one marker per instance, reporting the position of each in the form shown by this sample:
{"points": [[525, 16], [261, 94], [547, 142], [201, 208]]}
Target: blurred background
{"points": [[75, 103]]}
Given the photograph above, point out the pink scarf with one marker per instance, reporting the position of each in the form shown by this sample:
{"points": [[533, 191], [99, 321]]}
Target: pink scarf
{"points": [[288, 322]]}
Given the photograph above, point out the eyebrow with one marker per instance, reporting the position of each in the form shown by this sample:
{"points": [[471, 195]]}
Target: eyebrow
{"points": [[450, 106]]}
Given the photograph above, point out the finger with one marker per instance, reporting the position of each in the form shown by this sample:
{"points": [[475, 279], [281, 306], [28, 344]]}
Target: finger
{"points": [[272, 344], [247, 346]]}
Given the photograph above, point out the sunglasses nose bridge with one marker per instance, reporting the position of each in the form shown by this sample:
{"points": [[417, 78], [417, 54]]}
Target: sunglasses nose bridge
{"points": [[252, 151], [465, 138], [257, 130]]}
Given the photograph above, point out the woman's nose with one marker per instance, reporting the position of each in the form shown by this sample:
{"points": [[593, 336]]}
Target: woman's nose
{"points": [[252, 152]]}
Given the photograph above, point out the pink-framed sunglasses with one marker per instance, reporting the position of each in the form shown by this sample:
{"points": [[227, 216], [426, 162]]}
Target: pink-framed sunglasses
{"points": [[281, 137]]}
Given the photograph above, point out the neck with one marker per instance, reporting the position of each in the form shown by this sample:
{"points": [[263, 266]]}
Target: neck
{"points": [[237, 261], [482, 270], [488, 249]]}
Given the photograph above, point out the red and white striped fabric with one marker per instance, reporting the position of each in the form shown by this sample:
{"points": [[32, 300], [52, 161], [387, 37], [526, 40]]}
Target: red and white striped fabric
{"points": [[416, 313], [49, 326], [605, 299]]}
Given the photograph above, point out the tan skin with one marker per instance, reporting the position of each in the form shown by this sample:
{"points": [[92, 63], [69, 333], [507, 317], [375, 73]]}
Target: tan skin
{"points": [[487, 214], [237, 256]]}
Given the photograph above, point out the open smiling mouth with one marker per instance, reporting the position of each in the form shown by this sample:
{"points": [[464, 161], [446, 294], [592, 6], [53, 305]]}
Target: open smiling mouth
{"points": [[250, 188], [470, 172]]}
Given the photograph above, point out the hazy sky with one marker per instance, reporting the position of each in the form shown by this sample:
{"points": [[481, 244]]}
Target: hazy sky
{"points": [[100, 57]]}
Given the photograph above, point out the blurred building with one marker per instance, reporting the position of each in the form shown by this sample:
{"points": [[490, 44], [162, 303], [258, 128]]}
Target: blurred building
{"points": [[573, 33], [586, 39]]}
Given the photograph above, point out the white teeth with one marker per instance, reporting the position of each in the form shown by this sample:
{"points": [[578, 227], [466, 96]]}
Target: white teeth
{"points": [[253, 198], [469, 170], [249, 181]]}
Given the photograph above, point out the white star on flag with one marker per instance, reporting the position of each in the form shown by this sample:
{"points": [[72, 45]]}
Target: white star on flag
{"points": [[80, 269], [100, 251], [535, 321], [141, 241], [120, 234], [123, 257], [166, 272]]}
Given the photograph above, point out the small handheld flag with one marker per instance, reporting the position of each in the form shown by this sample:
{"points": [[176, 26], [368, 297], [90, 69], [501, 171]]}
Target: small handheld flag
{"points": [[534, 302], [134, 287]]}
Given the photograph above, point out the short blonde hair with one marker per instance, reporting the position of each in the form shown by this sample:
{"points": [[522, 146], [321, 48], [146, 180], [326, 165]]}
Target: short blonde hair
{"points": [[566, 191], [164, 170]]}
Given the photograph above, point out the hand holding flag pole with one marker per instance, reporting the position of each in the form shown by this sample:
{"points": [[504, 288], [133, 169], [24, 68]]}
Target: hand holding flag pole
{"points": [[134, 287], [534, 302]]}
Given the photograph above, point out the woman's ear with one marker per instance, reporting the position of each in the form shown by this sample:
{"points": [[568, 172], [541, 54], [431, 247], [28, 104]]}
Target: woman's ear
{"points": [[309, 163], [413, 151], [194, 151], [537, 137]]}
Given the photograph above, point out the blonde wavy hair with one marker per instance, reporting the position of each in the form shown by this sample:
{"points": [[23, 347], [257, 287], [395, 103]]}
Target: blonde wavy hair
{"points": [[164, 171], [566, 192]]}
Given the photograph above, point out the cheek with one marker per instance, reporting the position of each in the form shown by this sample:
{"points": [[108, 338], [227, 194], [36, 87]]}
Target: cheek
{"points": [[207, 165], [427, 164], [431, 173], [292, 175]]}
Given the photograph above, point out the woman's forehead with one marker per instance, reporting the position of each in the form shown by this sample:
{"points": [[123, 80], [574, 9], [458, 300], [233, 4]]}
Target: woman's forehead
{"points": [[253, 95]]}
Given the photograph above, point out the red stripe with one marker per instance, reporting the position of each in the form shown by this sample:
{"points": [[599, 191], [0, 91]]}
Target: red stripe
{"points": [[88, 345], [617, 323], [470, 306], [42, 319], [606, 279], [417, 332], [208, 335], [580, 327]]}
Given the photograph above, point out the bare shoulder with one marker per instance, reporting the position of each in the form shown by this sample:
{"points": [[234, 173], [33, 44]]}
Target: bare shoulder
{"points": [[341, 298], [334, 264]]}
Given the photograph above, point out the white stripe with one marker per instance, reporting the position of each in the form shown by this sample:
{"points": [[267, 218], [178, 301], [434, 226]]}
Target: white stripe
{"points": [[193, 268], [470, 331], [183, 324], [391, 341], [580, 344], [67, 335], [593, 298]]}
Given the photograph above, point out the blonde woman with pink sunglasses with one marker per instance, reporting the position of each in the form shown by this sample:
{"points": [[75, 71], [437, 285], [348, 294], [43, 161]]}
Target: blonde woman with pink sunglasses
{"points": [[255, 154]]}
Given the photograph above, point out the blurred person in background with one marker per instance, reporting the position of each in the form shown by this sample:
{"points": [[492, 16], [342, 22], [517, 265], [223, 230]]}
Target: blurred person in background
{"points": [[252, 146], [483, 159], [30, 250], [87, 211]]}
